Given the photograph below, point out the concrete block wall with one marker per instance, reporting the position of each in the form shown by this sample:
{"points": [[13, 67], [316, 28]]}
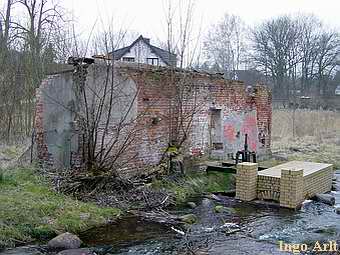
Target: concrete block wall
{"points": [[246, 181], [291, 188], [268, 187], [318, 182]]}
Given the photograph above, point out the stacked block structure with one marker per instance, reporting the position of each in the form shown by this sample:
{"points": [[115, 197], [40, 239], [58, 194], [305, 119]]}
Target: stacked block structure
{"points": [[288, 184], [246, 181]]}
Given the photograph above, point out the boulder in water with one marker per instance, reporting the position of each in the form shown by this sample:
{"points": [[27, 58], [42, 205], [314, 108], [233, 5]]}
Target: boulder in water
{"points": [[220, 209], [335, 187], [206, 202], [325, 198], [213, 197], [65, 241], [192, 205], [189, 218]]}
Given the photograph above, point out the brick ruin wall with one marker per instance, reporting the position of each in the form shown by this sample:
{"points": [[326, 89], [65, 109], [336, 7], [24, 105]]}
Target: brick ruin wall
{"points": [[42, 148], [251, 111], [55, 136]]}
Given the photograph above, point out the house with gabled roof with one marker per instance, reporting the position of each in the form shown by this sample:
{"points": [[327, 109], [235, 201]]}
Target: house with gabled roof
{"points": [[141, 51]]}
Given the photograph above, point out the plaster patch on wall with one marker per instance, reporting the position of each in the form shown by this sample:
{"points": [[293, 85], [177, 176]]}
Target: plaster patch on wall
{"points": [[235, 126]]}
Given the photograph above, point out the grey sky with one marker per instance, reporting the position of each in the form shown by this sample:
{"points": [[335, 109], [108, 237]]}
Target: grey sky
{"points": [[147, 16]]}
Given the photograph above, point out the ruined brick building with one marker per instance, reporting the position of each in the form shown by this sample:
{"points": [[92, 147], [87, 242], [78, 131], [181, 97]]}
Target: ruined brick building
{"points": [[215, 115]]}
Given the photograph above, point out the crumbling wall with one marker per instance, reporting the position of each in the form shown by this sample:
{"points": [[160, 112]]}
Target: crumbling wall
{"points": [[53, 123], [242, 111]]}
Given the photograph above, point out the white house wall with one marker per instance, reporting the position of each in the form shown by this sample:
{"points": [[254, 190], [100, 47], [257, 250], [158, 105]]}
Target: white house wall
{"points": [[141, 51]]}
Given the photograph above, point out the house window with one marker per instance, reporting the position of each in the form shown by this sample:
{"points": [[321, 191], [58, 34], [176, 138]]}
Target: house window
{"points": [[152, 61], [129, 59]]}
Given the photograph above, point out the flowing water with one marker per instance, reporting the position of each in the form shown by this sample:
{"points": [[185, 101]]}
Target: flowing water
{"points": [[241, 229]]}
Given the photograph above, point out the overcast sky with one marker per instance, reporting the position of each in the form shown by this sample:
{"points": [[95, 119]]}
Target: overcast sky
{"points": [[147, 16]]}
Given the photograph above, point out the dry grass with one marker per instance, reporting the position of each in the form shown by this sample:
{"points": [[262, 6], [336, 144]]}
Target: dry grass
{"points": [[307, 135], [9, 153]]}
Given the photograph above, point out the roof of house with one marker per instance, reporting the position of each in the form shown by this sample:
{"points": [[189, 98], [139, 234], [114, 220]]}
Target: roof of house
{"points": [[167, 57]]}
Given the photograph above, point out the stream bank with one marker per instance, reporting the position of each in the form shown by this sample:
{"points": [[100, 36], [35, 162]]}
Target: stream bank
{"points": [[224, 225], [31, 210], [259, 229]]}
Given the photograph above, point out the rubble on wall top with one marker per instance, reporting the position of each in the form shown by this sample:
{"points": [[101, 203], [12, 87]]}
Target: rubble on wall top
{"points": [[140, 67]]}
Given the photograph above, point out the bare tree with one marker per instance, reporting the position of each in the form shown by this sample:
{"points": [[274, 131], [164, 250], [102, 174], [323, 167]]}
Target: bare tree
{"points": [[27, 48], [183, 103], [310, 29], [275, 53], [328, 50], [5, 19], [106, 113], [296, 51], [225, 45], [183, 37]]}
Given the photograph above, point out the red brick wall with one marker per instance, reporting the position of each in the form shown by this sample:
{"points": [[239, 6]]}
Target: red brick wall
{"points": [[263, 102], [156, 86], [42, 149], [229, 96]]}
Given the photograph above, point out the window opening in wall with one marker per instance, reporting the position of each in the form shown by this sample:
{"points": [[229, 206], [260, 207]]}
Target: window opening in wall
{"points": [[129, 59], [216, 129], [152, 61]]}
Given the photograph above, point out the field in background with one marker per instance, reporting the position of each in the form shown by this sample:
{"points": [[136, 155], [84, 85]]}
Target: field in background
{"points": [[312, 135]]}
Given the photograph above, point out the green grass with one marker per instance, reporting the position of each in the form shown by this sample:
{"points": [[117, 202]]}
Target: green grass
{"points": [[194, 184], [31, 211]]}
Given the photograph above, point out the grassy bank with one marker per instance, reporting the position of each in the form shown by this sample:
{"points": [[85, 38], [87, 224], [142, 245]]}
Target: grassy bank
{"points": [[194, 184], [30, 210]]}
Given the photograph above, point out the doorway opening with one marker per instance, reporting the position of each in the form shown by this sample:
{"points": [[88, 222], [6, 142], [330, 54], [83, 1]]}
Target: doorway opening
{"points": [[216, 129]]}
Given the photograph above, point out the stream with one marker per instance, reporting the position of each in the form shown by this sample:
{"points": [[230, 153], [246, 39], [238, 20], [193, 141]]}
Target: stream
{"points": [[242, 228]]}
